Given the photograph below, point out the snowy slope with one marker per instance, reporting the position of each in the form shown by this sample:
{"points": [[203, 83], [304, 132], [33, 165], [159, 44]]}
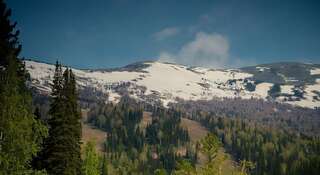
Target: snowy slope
{"points": [[168, 82]]}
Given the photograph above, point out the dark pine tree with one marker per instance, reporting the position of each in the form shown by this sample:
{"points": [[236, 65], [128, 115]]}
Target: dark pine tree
{"points": [[73, 121], [62, 149], [53, 157], [21, 134]]}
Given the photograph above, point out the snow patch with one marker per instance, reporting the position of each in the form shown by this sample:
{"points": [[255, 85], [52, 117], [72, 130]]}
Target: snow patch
{"points": [[262, 89], [287, 89], [114, 97], [315, 71], [262, 69]]}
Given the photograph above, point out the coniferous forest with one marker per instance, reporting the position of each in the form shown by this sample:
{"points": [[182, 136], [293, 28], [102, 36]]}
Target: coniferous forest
{"points": [[274, 150], [146, 148], [42, 134]]}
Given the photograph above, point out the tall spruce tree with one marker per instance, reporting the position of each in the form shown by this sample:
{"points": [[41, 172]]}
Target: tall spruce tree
{"points": [[73, 117], [62, 149], [21, 134]]}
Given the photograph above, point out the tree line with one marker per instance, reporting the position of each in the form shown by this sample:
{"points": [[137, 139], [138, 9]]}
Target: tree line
{"points": [[292, 118]]}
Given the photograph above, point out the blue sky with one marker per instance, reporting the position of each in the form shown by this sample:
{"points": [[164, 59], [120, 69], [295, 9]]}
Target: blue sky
{"points": [[112, 33]]}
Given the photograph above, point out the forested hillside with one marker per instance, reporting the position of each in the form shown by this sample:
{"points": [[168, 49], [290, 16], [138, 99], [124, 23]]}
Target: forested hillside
{"points": [[272, 136], [145, 149], [273, 150], [292, 119], [158, 141]]}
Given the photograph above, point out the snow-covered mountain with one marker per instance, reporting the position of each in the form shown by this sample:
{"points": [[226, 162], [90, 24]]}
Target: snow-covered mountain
{"points": [[292, 83]]}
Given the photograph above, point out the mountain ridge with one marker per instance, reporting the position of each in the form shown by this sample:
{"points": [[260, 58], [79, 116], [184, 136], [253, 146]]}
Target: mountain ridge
{"points": [[168, 82], [165, 62]]}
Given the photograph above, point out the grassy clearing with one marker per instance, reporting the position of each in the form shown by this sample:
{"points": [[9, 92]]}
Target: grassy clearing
{"points": [[196, 133], [90, 133]]}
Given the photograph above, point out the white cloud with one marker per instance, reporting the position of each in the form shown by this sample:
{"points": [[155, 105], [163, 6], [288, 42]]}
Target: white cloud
{"points": [[208, 50], [166, 33]]}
